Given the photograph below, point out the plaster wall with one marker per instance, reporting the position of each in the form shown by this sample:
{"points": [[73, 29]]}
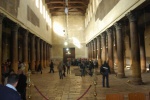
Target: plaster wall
{"points": [[20, 15], [75, 32], [96, 27]]}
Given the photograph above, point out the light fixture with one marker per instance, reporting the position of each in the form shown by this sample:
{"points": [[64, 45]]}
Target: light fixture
{"points": [[67, 49], [66, 43]]}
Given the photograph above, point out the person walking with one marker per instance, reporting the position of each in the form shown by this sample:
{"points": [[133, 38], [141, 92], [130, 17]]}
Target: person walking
{"points": [[60, 69], [51, 67], [105, 70], [68, 67]]}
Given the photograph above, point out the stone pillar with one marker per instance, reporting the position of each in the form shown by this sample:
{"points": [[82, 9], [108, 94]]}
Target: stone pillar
{"points": [[99, 50], [103, 42], [47, 55], [4, 49], [44, 54], [142, 49], [110, 49], [20, 50], [92, 44], [1, 24], [14, 51], [120, 51], [32, 53], [95, 48], [135, 52], [37, 52], [115, 47], [90, 50], [41, 53], [25, 49]]}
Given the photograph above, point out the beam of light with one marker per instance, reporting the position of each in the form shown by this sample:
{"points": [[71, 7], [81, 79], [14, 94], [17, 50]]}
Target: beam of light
{"points": [[58, 29], [76, 42]]}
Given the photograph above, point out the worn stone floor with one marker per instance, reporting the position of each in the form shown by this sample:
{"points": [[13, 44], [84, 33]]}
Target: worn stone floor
{"points": [[74, 86]]}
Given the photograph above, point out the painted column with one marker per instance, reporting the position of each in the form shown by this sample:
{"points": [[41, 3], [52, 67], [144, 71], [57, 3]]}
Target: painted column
{"points": [[142, 49], [103, 42], [135, 51], [25, 49], [95, 43], [110, 49], [1, 24], [41, 53], [120, 50], [99, 50], [33, 53], [37, 52], [14, 51]]}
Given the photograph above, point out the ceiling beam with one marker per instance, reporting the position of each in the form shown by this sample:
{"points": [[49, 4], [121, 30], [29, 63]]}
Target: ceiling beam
{"points": [[50, 2], [53, 7]]}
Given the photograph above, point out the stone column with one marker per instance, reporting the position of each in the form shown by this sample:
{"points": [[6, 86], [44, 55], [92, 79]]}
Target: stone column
{"points": [[41, 53], [92, 42], [135, 51], [115, 47], [33, 53], [142, 49], [4, 49], [99, 50], [14, 51], [110, 49], [37, 52], [95, 43], [44, 54], [103, 42], [25, 49], [90, 50], [120, 51], [1, 24], [47, 55]]}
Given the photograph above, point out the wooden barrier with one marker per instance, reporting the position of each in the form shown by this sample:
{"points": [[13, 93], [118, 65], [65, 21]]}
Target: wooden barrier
{"points": [[115, 97], [137, 96]]}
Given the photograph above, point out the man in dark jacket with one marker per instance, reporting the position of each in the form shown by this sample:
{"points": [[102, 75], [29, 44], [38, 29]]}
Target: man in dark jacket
{"points": [[105, 70], [9, 91]]}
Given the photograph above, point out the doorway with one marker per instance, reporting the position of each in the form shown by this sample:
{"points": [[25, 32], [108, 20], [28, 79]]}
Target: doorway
{"points": [[68, 53]]}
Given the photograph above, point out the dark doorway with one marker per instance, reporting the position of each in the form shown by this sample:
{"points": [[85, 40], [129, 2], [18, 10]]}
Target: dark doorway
{"points": [[68, 53]]}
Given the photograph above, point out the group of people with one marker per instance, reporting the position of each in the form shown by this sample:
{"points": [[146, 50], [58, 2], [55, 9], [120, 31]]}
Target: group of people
{"points": [[14, 85], [62, 68]]}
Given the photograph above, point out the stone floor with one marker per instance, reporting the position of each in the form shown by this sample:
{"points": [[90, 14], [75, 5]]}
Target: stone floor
{"points": [[74, 86]]}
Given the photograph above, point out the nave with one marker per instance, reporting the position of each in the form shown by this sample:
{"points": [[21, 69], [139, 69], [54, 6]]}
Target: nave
{"points": [[74, 86]]}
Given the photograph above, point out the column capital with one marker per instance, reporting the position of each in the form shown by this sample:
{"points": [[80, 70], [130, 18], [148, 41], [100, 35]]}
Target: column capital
{"points": [[103, 35], [15, 27], [109, 31], [131, 16], [2, 16], [118, 25], [25, 32]]}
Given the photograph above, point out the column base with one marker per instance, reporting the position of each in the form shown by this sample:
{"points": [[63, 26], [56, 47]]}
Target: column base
{"points": [[120, 75], [136, 81]]}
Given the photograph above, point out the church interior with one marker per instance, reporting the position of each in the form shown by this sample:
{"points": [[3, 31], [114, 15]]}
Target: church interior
{"points": [[37, 32]]}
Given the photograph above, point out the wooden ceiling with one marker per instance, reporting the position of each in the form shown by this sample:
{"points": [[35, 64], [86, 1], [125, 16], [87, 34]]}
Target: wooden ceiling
{"points": [[57, 7]]}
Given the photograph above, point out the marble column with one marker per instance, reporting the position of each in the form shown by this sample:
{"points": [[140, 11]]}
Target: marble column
{"points": [[103, 44], [37, 52], [4, 49], [32, 53], [14, 51], [92, 49], [135, 51], [99, 50], [110, 49], [25, 49], [90, 44], [47, 55], [142, 49], [115, 47], [41, 53], [44, 54], [1, 24], [95, 48], [120, 50]]}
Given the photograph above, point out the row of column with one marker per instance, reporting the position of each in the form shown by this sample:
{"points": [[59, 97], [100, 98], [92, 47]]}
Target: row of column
{"points": [[39, 49], [102, 48]]}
